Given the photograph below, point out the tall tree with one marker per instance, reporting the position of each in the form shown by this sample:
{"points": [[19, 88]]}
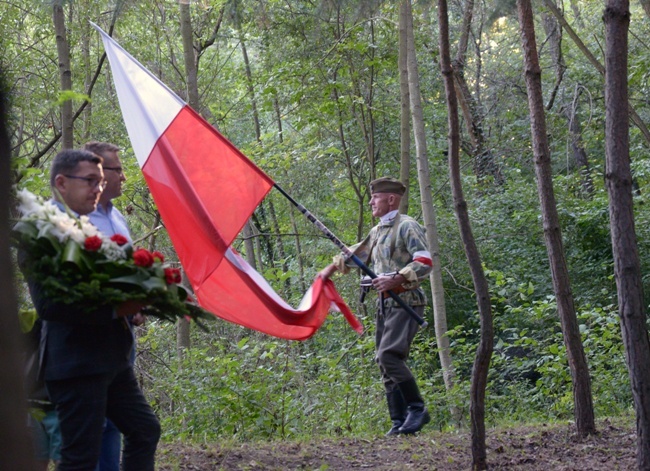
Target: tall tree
{"points": [[428, 210], [86, 34], [15, 449], [646, 6], [577, 146], [583, 406], [553, 31], [192, 91], [405, 108], [554, 39], [618, 179], [485, 346], [189, 55], [250, 83], [485, 163], [65, 73]]}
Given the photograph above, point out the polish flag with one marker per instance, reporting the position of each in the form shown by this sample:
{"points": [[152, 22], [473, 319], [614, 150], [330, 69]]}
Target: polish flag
{"points": [[205, 190]]}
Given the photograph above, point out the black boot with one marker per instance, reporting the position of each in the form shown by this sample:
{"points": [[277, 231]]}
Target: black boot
{"points": [[417, 415], [396, 409]]}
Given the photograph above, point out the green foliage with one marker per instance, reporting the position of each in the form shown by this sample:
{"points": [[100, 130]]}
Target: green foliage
{"points": [[529, 373], [325, 84], [262, 388]]}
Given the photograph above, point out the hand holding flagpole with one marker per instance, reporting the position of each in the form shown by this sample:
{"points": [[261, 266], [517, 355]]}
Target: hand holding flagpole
{"points": [[350, 255]]}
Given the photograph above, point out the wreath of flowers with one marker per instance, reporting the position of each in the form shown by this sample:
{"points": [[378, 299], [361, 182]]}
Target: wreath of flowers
{"points": [[75, 263]]}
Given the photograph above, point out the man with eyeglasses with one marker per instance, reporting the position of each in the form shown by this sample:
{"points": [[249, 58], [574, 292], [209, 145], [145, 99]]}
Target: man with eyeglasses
{"points": [[86, 357], [108, 219]]}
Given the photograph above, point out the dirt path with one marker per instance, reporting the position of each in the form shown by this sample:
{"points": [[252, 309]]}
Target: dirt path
{"points": [[525, 448]]}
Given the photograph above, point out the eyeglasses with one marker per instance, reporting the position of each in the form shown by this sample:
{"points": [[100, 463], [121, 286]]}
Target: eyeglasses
{"points": [[92, 182], [114, 169]]}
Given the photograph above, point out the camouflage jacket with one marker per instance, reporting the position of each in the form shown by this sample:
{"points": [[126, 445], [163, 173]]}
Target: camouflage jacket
{"points": [[410, 255]]}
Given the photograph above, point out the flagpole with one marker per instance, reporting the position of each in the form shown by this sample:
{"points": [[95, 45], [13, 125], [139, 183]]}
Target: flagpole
{"points": [[351, 256]]}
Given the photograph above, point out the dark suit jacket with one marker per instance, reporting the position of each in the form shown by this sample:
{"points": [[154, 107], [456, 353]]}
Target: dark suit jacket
{"points": [[77, 343]]}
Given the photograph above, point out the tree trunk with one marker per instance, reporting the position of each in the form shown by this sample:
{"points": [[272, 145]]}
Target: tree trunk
{"points": [[618, 179], [584, 413], [189, 56], [428, 211], [65, 74], [484, 162], [485, 347], [577, 147], [279, 247], [646, 7], [85, 53], [484, 350], [361, 100], [249, 74], [405, 110], [183, 341], [16, 450], [257, 237], [249, 244], [299, 255], [249, 228], [353, 173], [274, 219], [182, 337], [554, 37]]}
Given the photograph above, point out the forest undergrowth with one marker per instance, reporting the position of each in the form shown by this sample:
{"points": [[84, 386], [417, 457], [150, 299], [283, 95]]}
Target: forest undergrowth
{"points": [[540, 446]]}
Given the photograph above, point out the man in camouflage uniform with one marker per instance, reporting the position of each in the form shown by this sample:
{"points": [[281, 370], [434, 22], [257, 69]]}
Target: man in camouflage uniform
{"points": [[396, 251]]}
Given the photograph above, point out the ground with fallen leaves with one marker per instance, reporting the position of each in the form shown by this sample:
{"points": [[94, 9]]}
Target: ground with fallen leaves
{"points": [[539, 447]]}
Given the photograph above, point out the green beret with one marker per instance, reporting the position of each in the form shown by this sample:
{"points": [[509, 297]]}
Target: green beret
{"points": [[387, 185]]}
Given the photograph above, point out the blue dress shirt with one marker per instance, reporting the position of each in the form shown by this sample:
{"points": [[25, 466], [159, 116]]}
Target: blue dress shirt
{"points": [[110, 221]]}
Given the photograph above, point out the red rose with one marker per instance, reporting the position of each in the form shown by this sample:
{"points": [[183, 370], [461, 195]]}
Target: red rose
{"points": [[158, 255], [172, 275], [119, 239], [143, 258], [92, 243]]}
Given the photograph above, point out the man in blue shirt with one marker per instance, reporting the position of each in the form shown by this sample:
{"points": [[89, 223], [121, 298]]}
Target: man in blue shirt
{"points": [[108, 219]]}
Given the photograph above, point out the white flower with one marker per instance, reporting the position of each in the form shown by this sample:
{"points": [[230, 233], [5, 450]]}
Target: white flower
{"points": [[112, 250], [50, 220]]}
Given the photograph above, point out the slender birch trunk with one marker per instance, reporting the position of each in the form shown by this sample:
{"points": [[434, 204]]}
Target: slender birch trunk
{"points": [[65, 73], [192, 90], [428, 211], [405, 110]]}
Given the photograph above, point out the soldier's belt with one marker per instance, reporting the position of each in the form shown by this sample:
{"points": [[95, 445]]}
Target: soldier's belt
{"points": [[398, 290]]}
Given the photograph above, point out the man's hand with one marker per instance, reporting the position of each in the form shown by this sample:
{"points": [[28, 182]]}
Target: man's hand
{"points": [[387, 283], [328, 271]]}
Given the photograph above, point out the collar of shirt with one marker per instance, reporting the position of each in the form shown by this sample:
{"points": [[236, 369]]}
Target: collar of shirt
{"points": [[105, 210], [109, 221], [388, 218], [61, 206]]}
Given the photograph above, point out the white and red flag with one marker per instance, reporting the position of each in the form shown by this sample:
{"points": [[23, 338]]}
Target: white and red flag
{"points": [[206, 190]]}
